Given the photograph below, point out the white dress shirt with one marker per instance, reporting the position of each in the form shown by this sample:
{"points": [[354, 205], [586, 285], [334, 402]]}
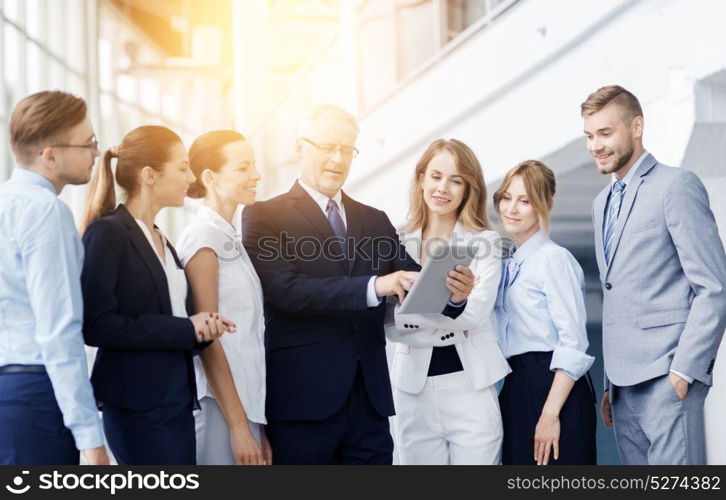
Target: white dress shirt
{"points": [[175, 278], [240, 299]]}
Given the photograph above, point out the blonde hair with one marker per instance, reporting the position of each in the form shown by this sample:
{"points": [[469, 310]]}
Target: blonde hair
{"points": [[539, 183], [472, 210], [628, 103], [43, 117]]}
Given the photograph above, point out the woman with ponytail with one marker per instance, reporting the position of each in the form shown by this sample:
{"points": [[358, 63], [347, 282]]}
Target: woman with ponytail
{"points": [[137, 303], [231, 372]]}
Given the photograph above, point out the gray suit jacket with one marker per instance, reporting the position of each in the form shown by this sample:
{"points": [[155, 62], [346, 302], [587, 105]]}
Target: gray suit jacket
{"points": [[664, 303]]}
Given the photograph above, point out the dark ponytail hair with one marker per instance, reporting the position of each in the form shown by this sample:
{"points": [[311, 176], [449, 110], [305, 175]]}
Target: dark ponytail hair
{"points": [[206, 153], [149, 145]]}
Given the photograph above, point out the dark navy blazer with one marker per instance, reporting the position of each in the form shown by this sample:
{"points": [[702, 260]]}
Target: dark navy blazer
{"points": [[145, 354]]}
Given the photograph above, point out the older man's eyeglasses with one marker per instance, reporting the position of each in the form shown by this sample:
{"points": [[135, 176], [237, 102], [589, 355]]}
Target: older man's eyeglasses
{"points": [[331, 148]]}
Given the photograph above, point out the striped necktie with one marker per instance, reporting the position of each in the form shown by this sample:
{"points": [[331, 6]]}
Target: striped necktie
{"points": [[616, 200], [336, 223]]}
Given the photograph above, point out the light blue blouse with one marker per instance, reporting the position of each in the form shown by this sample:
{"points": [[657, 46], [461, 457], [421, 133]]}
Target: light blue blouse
{"points": [[541, 305]]}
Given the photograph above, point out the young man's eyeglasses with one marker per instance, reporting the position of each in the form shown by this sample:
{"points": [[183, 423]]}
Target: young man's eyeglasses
{"points": [[91, 146], [330, 148]]}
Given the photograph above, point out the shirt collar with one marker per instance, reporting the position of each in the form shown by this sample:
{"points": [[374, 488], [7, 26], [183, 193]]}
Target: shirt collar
{"points": [[32, 177], [631, 172], [320, 198], [209, 214], [530, 246]]}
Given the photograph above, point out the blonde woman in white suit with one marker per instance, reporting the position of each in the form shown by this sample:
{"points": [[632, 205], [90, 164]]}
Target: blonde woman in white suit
{"points": [[444, 369]]}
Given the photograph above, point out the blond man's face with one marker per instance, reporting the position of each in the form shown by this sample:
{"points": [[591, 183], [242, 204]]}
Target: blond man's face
{"points": [[610, 140], [74, 164]]}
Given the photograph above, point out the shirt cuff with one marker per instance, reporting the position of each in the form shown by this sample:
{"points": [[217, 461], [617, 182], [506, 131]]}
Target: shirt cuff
{"points": [[458, 304], [88, 436], [683, 376], [372, 299], [574, 363]]}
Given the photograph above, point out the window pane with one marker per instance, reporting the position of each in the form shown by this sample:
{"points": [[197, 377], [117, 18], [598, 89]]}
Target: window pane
{"points": [[11, 59], [149, 93], [36, 65], [56, 26], [463, 13], [75, 85], [377, 57], [415, 34], [75, 35], [35, 19], [11, 9], [56, 75]]}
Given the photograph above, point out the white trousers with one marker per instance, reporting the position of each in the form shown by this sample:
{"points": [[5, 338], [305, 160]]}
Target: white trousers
{"points": [[213, 440], [448, 422]]}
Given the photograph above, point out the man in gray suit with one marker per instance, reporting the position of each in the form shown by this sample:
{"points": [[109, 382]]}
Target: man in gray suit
{"points": [[663, 271]]}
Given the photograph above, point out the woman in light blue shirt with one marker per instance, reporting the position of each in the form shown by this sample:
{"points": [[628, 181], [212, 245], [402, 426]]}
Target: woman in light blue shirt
{"points": [[547, 402]]}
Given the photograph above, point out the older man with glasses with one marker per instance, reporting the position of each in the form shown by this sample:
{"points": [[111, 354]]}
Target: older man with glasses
{"points": [[326, 262]]}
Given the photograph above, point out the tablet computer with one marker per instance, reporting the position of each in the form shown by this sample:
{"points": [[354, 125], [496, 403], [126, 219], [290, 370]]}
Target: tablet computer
{"points": [[429, 294]]}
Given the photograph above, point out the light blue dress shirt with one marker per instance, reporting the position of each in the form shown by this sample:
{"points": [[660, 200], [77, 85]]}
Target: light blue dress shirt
{"points": [[41, 309], [543, 308]]}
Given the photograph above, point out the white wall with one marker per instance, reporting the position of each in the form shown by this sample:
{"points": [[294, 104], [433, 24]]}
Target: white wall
{"points": [[716, 402], [512, 93]]}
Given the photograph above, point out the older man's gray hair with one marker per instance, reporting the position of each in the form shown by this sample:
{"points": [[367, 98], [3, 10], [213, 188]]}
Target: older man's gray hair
{"points": [[325, 110]]}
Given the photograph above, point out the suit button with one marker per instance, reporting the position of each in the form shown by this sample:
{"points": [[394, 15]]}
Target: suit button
{"points": [[443, 338], [608, 286], [416, 326], [452, 334], [406, 326]]}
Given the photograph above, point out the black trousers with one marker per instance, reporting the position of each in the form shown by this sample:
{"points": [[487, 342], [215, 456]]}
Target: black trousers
{"points": [[354, 435], [163, 435], [521, 400]]}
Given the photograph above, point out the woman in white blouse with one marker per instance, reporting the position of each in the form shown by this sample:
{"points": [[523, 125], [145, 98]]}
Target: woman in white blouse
{"points": [[230, 373], [444, 369], [548, 404]]}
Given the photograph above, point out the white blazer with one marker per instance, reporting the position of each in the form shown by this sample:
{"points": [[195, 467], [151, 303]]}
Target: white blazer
{"points": [[473, 332]]}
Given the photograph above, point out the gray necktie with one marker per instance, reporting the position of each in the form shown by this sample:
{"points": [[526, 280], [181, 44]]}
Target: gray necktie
{"points": [[616, 200]]}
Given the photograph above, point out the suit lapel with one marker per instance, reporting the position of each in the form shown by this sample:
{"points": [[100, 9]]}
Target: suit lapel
{"points": [[148, 255], [189, 304], [354, 227], [311, 211], [599, 217], [631, 191]]}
